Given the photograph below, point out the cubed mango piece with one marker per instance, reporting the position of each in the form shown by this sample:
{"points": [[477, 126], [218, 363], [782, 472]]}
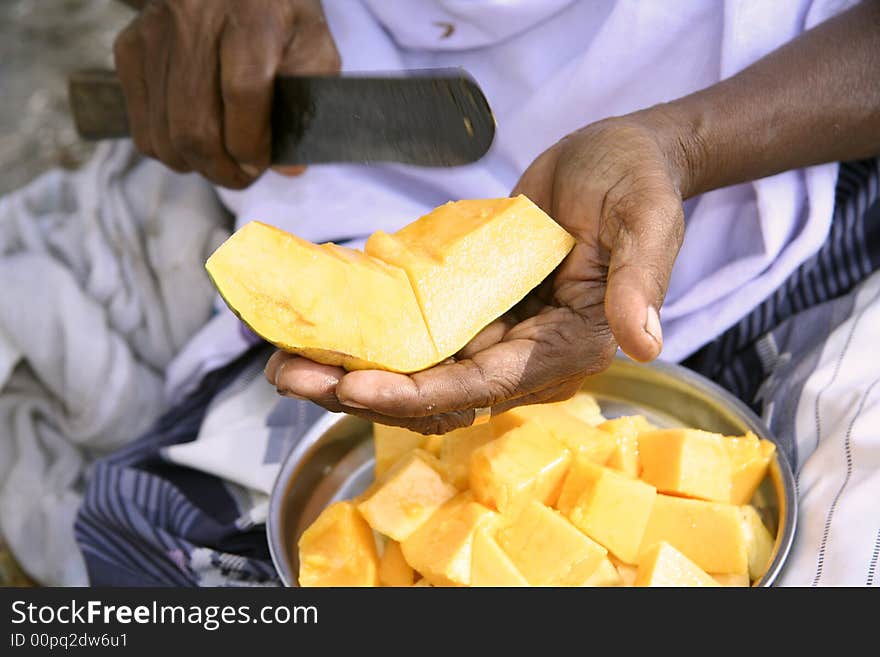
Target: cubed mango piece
{"points": [[525, 463], [759, 541], [749, 459], [608, 506], [605, 575], [455, 453], [434, 444], [626, 571], [710, 534], [393, 568], [422, 583], [731, 579], [686, 462], [338, 549], [663, 565], [626, 430], [547, 549], [406, 496], [390, 444], [441, 548], [490, 565]]}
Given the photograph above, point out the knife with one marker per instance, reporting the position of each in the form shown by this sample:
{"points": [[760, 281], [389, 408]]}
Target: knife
{"points": [[431, 117]]}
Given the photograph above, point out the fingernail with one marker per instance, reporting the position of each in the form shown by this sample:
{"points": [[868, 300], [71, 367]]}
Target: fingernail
{"points": [[290, 395], [652, 325], [352, 404], [250, 170]]}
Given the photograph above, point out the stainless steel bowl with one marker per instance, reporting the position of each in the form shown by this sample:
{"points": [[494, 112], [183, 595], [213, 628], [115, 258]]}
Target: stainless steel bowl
{"points": [[334, 460]]}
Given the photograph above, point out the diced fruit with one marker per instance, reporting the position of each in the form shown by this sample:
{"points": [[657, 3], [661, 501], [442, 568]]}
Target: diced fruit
{"points": [[455, 453], [730, 579], [749, 460], [490, 565], [390, 444], [524, 463], [609, 507], [663, 565], [547, 549], [582, 408], [441, 548], [445, 255], [406, 496], [626, 430], [434, 444], [311, 299], [605, 575], [759, 542], [686, 462], [710, 534], [423, 582], [393, 568], [627, 571], [338, 549]]}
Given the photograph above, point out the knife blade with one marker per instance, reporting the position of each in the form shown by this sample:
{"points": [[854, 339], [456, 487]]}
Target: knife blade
{"points": [[430, 117]]}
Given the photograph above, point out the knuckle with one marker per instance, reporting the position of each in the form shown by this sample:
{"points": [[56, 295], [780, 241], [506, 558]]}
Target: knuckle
{"points": [[198, 142]]}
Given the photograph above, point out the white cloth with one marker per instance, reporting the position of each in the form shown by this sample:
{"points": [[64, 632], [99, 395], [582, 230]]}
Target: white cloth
{"points": [[549, 67], [102, 278]]}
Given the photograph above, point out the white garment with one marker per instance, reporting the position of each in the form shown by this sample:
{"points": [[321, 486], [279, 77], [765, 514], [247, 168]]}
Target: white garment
{"points": [[103, 282], [549, 68]]}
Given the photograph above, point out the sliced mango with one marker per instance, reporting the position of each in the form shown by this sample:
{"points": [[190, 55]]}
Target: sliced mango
{"points": [[663, 565], [686, 462], [338, 549]]}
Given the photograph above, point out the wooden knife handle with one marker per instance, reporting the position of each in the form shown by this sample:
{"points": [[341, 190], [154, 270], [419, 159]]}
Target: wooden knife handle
{"points": [[98, 104]]}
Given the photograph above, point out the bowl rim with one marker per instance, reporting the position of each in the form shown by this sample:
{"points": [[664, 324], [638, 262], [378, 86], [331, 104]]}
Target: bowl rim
{"points": [[788, 499]]}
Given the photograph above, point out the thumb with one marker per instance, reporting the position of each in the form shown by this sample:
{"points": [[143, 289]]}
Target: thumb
{"points": [[643, 249]]}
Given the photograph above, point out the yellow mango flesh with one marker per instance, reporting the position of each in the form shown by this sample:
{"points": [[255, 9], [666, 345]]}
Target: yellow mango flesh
{"points": [[730, 579], [569, 415], [400, 502], [609, 507], [626, 571], [759, 541], [490, 565], [491, 252], [441, 548], [338, 549], [456, 451], [663, 565], [393, 568], [390, 444], [686, 462], [749, 459], [605, 575], [547, 549], [626, 430], [525, 463], [710, 534]]}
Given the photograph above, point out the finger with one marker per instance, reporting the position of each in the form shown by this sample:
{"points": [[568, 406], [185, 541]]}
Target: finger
{"points": [[154, 35], [504, 371], [247, 76], [195, 111], [296, 376], [493, 333], [643, 251], [312, 50], [128, 59]]}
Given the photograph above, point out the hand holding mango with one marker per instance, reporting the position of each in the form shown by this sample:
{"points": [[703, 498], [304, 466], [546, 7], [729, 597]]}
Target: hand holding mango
{"points": [[614, 187]]}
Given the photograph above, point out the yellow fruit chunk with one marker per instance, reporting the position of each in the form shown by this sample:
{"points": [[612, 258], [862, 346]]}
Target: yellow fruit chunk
{"points": [[547, 549], [525, 463], [434, 444], [456, 450], [573, 432], [441, 548], [338, 549], [627, 571], [330, 304], [730, 579], [663, 565], [686, 462], [473, 250], [582, 406], [406, 496], [390, 444], [710, 534], [609, 507], [605, 575], [759, 541], [393, 568], [422, 582], [749, 459], [490, 566], [626, 430]]}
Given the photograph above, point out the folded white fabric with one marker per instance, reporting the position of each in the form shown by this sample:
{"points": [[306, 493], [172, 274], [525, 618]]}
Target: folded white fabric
{"points": [[103, 282]]}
